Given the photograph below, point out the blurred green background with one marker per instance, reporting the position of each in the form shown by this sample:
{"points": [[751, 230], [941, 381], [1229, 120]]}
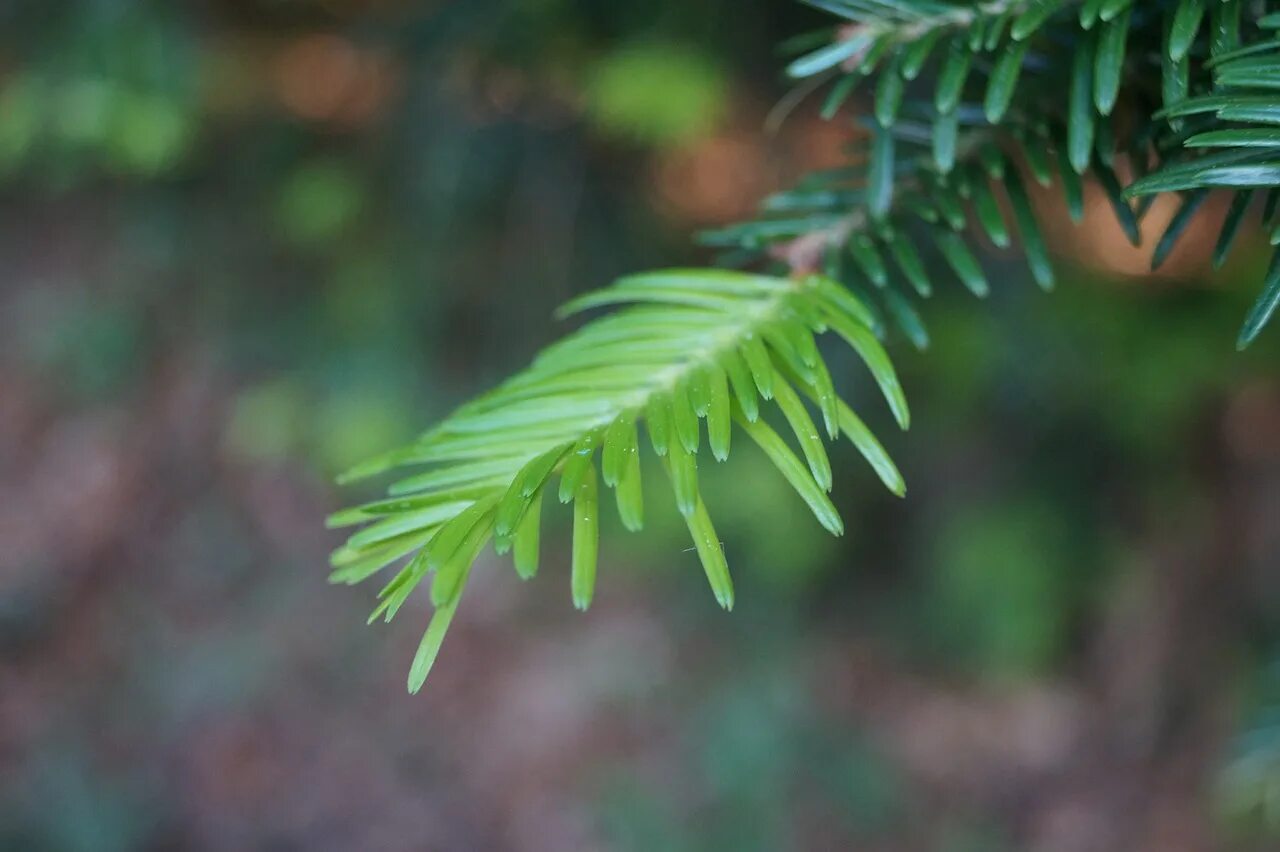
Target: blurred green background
{"points": [[245, 243]]}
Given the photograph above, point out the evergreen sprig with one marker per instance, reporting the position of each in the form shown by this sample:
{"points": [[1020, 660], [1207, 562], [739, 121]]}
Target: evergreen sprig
{"points": [[688, 346], [969, 101], [1179, 96]]}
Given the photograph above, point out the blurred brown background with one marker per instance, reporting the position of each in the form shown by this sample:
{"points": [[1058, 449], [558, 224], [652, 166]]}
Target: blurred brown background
{"points": [[245, 243]]}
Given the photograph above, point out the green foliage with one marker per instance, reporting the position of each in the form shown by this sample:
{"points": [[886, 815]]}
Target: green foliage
{"points": [[689, 346], [970, 101], [1000, 597], [1180, 93], [657, 93], [317, 202], [115, 96]]}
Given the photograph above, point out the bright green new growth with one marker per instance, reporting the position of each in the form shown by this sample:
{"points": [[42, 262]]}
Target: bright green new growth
{"points": [[969, 100], [667, 360]]}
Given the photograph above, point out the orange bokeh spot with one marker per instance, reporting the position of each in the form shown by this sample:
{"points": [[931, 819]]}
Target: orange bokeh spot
{"points": [[324, 77]]}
